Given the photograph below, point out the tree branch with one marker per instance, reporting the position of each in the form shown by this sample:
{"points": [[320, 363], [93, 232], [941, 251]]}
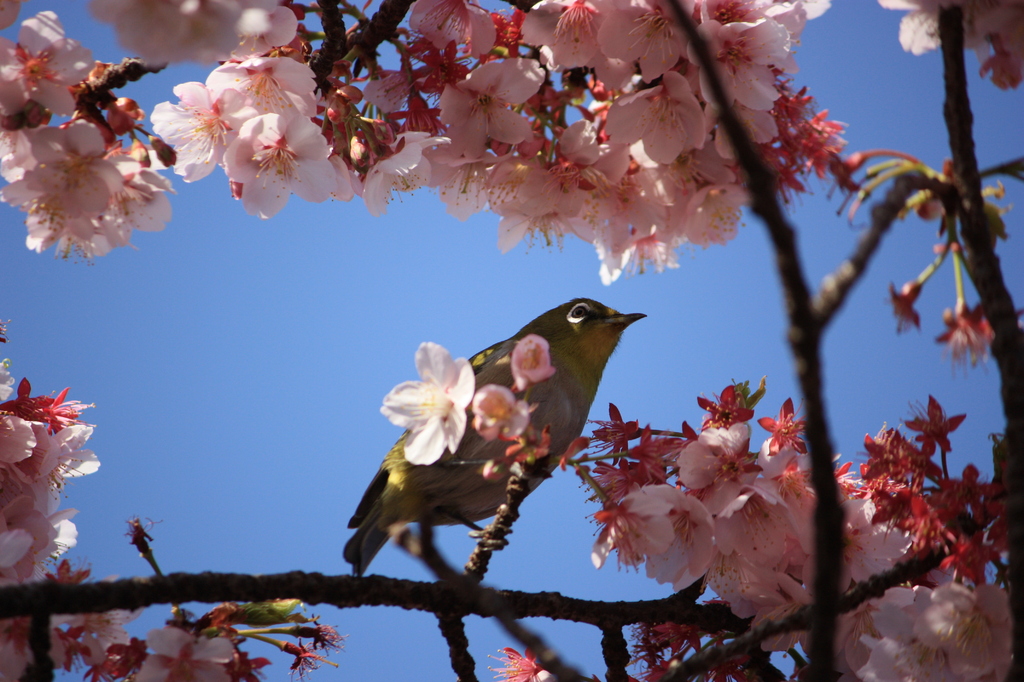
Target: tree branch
{"points": [[96, 92], [488, 601], [837, 285], [805, 342], [616, 654], [454, 631], [334, 45], [381, 27], [1008, 341], [493, 536]]}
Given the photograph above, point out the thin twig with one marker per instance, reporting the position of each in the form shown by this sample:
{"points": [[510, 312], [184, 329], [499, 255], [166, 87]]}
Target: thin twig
{"points": [[493, 536], [97, 91], [454, 631], [487, 601], [837, 285], [998, 305], [805, 343], [380, 27]]}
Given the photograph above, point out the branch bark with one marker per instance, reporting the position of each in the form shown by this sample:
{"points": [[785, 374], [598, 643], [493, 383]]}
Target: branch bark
{"points": [[1000, 311]]}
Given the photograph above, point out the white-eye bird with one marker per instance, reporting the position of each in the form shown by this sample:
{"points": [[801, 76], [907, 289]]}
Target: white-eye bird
{"points": [[582, 334]]}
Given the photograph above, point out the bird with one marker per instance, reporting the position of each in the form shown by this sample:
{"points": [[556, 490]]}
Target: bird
{"points": [[582, 335]]}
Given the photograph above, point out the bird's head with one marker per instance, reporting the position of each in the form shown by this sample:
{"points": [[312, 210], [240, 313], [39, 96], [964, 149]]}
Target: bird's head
{"points": [[582, 334]]}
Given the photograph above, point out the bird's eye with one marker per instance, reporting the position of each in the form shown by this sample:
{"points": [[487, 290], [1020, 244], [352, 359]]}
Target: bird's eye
{"points": [[578, 312]]}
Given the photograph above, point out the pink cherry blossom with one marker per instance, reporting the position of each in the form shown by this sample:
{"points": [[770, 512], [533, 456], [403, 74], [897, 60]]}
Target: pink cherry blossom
{"points": [[668, 118], [718, 463], [748, 587], [644, 31], [70, 185], [444, 21], [17, 438], [274, 157], [637, 526], [140, 204], [432, 410], [180, 656], [689, 555], [177, 30], [756, 525], [390, 93], [477, 108], [461, 181], [746, 53], [713, 213], [405, 169], [972, 627], [200, 127], [567, 30], [42, 66], [9, 10], [497, 413], [259, 31], [273, 85], [531, 361]]}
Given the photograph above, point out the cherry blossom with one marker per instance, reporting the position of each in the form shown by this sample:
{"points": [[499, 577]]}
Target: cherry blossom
{"points": [[747, 51], [531, 361], [638, 525], [179, 655], [200, 127], [404, 169], [433, 410], [652, 39], [568, 30], [445, 21], [689, 555], [668, 118], [69, 186], [521, 668], [972, 627], [498, 414], [179, 30], [41, 66], [273, 157], [476, 108], [968, 334], [273, 85]]}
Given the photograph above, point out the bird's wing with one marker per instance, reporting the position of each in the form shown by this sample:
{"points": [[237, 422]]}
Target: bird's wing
{"points": [[373, 491]]}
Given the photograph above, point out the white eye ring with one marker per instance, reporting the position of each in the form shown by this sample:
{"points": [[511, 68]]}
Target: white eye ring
{"points": [[578, 313]]}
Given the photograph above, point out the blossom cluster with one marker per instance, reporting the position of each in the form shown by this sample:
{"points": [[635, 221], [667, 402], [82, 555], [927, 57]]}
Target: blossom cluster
{"points": [[42, 445], [582, 117], [609, 136], [434, 410], [82, 189], [991, 29], [700, 505]]}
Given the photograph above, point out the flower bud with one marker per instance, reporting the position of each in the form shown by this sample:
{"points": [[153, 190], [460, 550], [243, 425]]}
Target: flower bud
{"points": [[531, 361]]}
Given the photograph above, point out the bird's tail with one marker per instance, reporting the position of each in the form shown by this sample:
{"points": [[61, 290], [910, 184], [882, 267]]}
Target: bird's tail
{"points": [[364, 545]]}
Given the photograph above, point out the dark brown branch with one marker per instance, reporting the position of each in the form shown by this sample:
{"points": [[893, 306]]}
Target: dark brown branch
{"points": [[493, 536], [1008, 341], [749, 642], [96, 92], [487, 600], [381, 26], [41, 668], [616, 654], [347, 592], [454, 631], [334, 45], [805, 342], [837, 285]]}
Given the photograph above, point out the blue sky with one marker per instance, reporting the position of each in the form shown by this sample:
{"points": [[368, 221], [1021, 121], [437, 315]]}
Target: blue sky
{"points": [[238, 366]]}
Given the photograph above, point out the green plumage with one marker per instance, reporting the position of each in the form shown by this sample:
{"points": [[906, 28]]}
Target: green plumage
{"points": [[582, 335]]}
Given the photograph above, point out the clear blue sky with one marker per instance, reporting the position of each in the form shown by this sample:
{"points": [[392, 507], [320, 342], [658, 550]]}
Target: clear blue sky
{"points": [[238, 366]]}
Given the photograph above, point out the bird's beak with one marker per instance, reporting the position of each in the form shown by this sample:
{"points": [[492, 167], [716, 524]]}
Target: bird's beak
{"points": [[625, 320]]}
